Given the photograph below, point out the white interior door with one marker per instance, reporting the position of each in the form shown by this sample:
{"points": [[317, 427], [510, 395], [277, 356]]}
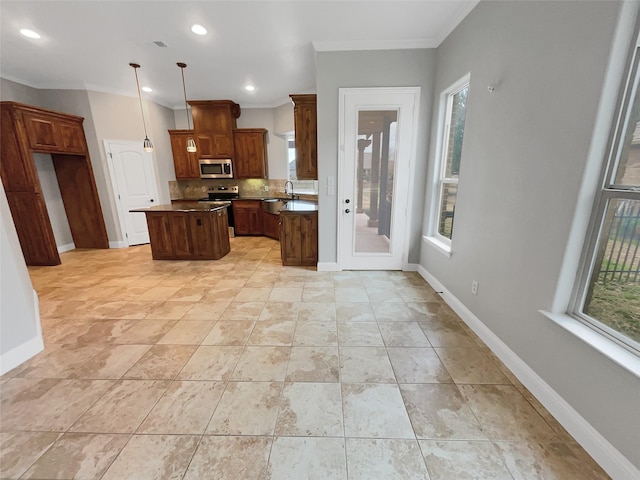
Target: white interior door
{"points": [[377, 150], [134, 183]]}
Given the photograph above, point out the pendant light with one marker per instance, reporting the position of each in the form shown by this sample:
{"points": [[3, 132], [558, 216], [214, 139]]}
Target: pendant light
{"points": [[191, 144], [148, 146]]}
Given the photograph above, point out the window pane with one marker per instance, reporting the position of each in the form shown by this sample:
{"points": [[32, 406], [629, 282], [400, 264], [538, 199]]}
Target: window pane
{"points": [[375, 166], [613, 297], [456, 132], [628, 172], [447, 209]]}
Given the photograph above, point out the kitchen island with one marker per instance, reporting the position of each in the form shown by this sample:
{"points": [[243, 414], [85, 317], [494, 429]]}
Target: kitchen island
{"points": [[188, 231]]}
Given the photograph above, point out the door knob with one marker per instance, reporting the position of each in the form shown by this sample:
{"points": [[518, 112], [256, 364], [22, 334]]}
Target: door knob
{"points": [[347, 211]]}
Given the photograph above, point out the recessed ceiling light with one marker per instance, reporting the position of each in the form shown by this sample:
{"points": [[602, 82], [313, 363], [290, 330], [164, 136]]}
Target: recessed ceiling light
{"points": [[249, 88], [198, 29], [29, 33], [147, 89]]}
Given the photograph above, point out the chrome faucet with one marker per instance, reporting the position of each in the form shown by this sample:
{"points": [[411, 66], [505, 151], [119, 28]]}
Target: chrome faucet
{"points": [[288, 182]]}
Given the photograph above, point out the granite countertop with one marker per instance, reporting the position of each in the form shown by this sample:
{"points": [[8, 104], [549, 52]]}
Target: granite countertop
{"points": [[289, 205], [185, 207]]}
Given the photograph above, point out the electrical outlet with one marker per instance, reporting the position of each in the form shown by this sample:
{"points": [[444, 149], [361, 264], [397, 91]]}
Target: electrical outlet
{"points": [[474, 287], [266, 188]]}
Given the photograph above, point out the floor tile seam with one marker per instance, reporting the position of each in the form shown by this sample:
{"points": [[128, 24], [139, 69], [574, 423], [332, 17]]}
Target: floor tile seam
{"points": [[36, 460], [430, 470]]}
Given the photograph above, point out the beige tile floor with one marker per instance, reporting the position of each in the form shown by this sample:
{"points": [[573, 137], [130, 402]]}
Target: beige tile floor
{"points": [[244, 369]]}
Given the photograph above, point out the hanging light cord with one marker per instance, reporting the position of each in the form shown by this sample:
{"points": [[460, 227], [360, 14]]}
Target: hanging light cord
{"points": [[135, 70], [184, 90]]}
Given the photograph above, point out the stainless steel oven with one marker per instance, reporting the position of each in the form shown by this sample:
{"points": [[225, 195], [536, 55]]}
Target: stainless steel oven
{"points": [[216, 168]]}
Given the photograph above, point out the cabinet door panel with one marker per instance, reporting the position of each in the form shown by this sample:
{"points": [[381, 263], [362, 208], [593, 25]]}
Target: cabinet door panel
{"points": [[306, 138], [220, 225], [201, 240], [290, 240], [71, 137], [16, 165], [185, 163], [33, 228], [250, 159], [247, 217], [309, 239], [180, 234], [160, 235], [41, 132]]}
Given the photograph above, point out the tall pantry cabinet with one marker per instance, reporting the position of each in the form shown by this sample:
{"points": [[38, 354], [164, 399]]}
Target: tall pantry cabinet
{"points": [[27, 130]]}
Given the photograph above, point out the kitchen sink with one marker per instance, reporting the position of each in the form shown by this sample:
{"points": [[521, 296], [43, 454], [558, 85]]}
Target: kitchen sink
{"points": [[273, 205]]}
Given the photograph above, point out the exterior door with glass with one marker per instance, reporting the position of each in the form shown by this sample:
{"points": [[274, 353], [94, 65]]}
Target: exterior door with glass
{"points": [[377, 150]]}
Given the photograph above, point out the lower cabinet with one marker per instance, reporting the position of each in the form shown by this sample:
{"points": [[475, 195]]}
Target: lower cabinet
{"points": [[271, 225], [299, 238], [247, 217], [200, 235]]}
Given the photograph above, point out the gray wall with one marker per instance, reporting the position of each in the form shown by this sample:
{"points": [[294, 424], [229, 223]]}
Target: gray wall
{"points": [[388, 68], [18, 318], [525, 150], [53, 199]]}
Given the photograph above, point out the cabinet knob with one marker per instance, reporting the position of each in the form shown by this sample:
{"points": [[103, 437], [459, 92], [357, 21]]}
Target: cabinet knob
{"points": [[347, 211], [151, 200], [347, 201]]}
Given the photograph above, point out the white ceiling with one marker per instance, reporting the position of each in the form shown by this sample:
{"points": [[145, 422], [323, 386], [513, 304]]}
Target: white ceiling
{"points": [[89, 44]]}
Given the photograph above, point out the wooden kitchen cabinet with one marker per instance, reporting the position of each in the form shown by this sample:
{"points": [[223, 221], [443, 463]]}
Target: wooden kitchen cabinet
{"points": [[27, 130], [209, 234], [299, 238], [271, 225], [250, 160], [306, 137], [213, 123], [185, 163], [188, 235], [50, 133], [247, 217]]}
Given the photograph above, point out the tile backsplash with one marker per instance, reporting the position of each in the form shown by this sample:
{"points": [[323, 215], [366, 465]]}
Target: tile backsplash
{"points": [[255, 187]]}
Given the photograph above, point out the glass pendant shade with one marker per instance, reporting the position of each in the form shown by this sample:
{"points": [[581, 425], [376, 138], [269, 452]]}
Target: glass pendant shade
{"points": [[191, 144], [147, 145]]}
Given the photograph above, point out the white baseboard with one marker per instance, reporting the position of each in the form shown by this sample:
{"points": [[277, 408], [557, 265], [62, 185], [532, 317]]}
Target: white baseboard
{"points": [[607, 456], [411, 267], [328, 267], [66, 248], [23, 352], [118, 244]]}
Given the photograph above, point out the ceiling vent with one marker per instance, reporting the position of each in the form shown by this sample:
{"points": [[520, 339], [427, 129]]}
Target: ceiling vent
{"points": [[160, 43]]}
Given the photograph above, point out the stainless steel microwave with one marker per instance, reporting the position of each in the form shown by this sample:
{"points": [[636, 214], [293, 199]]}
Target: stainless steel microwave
{"points": [[216, 168]]}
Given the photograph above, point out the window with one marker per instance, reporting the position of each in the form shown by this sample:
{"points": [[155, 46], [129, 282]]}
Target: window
{"points": [[454, 103], [609, 293]]}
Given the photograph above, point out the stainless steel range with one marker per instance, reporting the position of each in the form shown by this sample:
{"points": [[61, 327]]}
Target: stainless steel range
{"points": [[223, 193]]}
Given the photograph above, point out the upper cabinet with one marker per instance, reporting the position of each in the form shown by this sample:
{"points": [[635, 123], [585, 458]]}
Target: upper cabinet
{"points": [[250, 160], [306, 138], [185, 163], [213, 123]]}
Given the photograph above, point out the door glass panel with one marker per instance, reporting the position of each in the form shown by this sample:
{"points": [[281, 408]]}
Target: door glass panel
{"points": [[375, 162]]}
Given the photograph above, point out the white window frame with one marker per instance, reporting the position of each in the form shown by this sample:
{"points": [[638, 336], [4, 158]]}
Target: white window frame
{"points": [[607, 193], [442, 150]]}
